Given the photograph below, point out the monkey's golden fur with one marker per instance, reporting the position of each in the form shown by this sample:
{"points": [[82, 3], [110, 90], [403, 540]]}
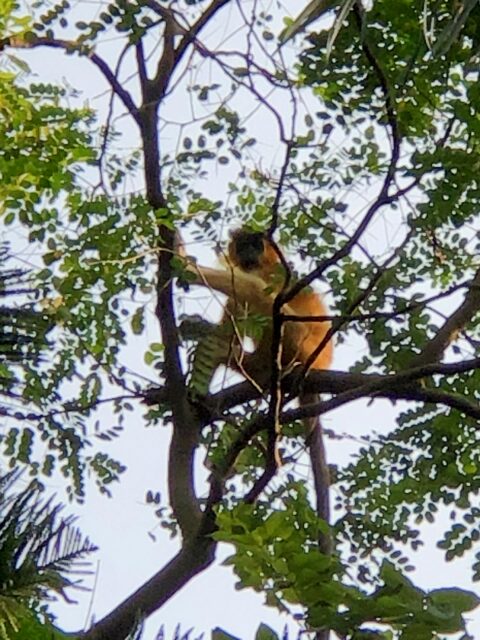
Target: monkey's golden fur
{"points": [[253, 279]]}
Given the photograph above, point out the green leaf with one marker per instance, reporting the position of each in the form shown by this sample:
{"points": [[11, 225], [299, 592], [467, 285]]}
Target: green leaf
{"points": [[220, 634], [138, 321], [457, 599], [264, 632], [417, 632]]}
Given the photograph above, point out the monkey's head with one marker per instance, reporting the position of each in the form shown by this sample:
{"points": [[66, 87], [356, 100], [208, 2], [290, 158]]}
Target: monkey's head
{"points": [[251, 250]]}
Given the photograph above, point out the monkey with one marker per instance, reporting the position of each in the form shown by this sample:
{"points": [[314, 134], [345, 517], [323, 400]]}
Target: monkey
{"points": [[253, 253], [254, 277]]}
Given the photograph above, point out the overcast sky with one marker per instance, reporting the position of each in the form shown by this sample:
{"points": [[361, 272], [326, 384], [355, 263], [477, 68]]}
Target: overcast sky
{"points": [[123, 525]]}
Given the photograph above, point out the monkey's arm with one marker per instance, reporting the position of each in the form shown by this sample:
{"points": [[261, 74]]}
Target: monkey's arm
{"points": [[244, 288], [253, 293]]}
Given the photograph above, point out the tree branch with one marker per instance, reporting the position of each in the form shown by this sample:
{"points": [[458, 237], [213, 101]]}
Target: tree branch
{"points": [[395, 390], [359, 13], [338, 382], [186, 425], [172, 56], [390, 387], [193, 558], [195, 29], [34, 41], [435, 348]]}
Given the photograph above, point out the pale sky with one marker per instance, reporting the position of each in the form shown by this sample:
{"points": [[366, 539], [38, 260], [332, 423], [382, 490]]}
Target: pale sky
{"points": [[120, 526]]}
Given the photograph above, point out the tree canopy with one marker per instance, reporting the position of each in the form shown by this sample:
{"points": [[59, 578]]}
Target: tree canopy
{"points": [[348, 133]]}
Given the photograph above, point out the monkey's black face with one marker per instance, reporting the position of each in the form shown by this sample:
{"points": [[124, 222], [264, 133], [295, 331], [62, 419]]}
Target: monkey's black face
{"points": [[248, 248]]}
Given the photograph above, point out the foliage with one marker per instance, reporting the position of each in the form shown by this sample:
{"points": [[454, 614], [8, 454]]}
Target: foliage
{"points": [[23, 330], [275, 555], [378, 121], [39, 550], [45, 147], [432, 118]]}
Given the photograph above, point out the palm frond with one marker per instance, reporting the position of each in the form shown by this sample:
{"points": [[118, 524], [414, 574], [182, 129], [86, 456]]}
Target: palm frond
{"points": [[38, 548]]}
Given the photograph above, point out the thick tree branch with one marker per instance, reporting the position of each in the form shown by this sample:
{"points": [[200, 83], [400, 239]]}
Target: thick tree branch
{"points": [[186, 429], [337, 382], [404, 386], [171, 55], [398, 391], [193, 558]]}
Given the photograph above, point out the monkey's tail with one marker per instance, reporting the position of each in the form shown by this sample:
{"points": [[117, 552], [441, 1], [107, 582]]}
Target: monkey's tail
{"points": [[321, 482], [320, 472]]}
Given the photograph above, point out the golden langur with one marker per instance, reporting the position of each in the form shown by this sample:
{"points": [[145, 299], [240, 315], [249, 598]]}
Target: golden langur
{"points": [[254, 254], [253, 278]]}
